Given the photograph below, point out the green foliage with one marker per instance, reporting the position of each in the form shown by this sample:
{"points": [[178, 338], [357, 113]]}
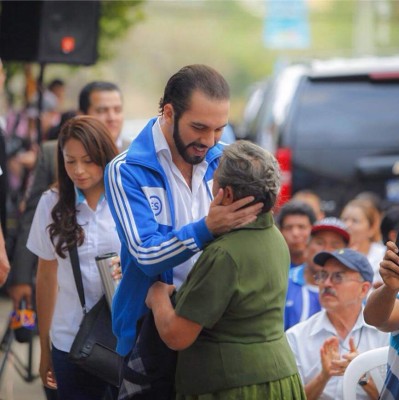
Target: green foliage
{"points": [[117, 17]]}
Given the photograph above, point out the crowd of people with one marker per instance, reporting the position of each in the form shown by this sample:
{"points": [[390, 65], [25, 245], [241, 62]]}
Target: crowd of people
{"points": [[271, 303]]}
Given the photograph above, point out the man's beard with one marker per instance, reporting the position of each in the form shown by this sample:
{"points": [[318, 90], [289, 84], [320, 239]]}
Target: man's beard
{"points": [[183, 149]]}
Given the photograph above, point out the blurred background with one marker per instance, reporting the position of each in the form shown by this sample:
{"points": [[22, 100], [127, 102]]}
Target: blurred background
{"points": [[143, 42], [314, 81]]}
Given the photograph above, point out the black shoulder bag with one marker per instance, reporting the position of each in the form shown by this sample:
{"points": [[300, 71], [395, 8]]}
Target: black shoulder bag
{"points": [[149, 370], [94, 346]]}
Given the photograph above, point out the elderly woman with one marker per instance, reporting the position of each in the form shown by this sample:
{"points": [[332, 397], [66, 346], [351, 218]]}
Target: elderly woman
{"points": [[228, 321]]}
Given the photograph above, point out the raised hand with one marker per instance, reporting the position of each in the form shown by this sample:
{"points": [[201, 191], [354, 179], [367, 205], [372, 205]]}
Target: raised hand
{"points": [[340, 365], [389, 267]]}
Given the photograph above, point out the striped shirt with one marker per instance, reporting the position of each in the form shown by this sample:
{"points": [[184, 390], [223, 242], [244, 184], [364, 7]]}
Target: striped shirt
{"points": [[390, 391]]}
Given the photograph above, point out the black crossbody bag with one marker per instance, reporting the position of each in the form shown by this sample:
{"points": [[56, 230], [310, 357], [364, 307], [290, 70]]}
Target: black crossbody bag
{"points": [[93, 348], [149, 370]]}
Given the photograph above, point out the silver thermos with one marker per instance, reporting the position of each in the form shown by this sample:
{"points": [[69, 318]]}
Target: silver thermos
{"points": [[105, 268]]}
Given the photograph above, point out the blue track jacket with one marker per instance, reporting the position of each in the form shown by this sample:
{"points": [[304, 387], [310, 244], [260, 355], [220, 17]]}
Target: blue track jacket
{"points": [[141, 203]]}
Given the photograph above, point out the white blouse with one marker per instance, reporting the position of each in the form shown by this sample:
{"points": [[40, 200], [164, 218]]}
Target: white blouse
{"points": [[100, 237]]}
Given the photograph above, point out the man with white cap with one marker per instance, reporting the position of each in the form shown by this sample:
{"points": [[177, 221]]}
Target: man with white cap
{"points": [[338, 330], [302, 302]]}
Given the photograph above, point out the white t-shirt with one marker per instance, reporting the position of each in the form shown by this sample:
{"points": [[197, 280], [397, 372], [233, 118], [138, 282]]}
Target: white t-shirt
{"points": [[190, 204], [375, 256], [100, 237], [306, 338]]}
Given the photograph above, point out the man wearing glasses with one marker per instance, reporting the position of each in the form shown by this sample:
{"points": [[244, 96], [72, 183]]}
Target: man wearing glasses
{"points": [[302, 302], [338, 330]]}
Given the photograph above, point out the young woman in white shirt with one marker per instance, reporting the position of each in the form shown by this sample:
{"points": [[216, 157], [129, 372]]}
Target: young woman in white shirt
{"points": [[74, 211]]}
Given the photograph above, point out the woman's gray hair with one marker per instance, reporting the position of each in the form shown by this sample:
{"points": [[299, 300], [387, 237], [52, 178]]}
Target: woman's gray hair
{"points": [[250, 171]]}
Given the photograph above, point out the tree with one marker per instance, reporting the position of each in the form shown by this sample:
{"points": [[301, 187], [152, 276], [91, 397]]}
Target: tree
{"points": [[117, 17]]}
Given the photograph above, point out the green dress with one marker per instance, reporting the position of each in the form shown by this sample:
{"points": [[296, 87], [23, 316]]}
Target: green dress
{"points": [[237, 291]]}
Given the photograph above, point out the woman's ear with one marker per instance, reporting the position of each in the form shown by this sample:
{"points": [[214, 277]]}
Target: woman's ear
{"points": [[228, 196]]}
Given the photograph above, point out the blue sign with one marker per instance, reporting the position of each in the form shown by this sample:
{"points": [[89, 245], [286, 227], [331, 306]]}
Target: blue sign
{"points": [[286, 24]]}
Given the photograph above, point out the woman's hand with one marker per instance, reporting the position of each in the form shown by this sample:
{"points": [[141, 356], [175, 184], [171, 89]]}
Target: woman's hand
{"points": [[159, 292], [46, 369], [116, 268]]}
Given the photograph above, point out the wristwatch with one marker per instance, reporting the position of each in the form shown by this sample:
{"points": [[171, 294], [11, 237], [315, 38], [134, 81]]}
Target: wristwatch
{"points": [[364, 380]]}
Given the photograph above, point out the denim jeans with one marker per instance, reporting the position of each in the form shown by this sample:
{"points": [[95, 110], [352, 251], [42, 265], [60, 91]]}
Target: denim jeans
{"points": [[73, 382]]}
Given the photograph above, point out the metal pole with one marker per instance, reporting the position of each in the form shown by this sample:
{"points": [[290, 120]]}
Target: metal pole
{"points": [[40, 103]]}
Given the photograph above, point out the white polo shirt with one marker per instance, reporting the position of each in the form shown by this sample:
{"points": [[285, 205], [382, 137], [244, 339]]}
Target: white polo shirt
{"points": [[306, 339], [100, 237], [190, 204]]}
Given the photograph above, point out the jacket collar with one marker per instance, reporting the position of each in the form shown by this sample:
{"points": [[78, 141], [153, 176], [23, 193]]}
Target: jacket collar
{"points": [[262, 222]]}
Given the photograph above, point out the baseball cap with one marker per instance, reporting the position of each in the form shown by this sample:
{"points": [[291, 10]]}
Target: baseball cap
{"points": [[331, 224], [350, 258]]}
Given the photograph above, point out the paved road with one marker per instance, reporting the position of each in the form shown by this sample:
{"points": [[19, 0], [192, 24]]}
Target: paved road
{"points": [[12, 385]]}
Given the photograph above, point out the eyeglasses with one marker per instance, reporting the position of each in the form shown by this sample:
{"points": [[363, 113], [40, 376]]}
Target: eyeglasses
{"points": [[336, 278]]}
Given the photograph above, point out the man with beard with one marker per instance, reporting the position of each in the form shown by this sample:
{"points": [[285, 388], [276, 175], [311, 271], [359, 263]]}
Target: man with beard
{"points": [[338, 330], [160, 193]]}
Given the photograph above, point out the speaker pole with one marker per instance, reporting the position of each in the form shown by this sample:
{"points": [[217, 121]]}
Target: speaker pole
{"points": [[40, 103]]}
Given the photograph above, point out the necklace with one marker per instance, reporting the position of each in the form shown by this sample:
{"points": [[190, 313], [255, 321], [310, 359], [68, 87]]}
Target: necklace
{"points": [[341, 344]]}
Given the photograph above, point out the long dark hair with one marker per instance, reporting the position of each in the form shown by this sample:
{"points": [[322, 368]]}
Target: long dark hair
{"points": [[65, 232]]}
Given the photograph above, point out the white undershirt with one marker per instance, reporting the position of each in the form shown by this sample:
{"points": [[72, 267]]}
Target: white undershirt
{"points": [[190, 204]]}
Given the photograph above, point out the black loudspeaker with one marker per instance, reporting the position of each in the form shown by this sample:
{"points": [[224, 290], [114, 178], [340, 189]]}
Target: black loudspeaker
{"points": [[49, 31]]}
